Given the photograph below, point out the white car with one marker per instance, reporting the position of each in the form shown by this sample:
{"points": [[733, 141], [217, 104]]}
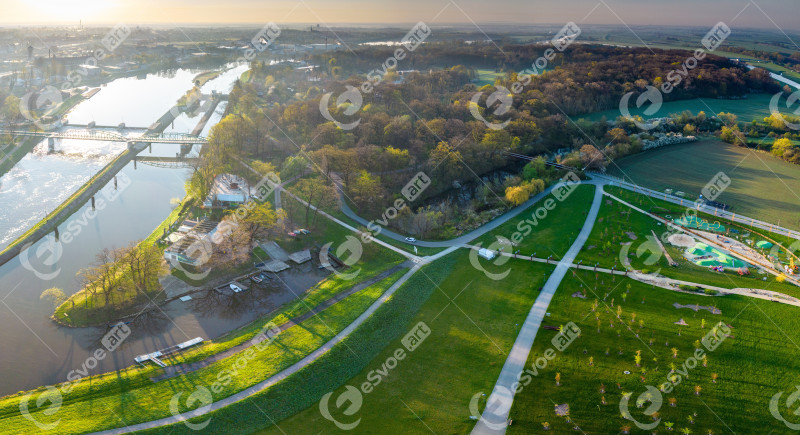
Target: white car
{"points": [[410, 240]]}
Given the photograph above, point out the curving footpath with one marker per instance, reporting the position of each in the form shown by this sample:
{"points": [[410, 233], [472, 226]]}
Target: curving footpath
{"points": [[261, 386], [498, 405], [466, 237], [451, 245]]}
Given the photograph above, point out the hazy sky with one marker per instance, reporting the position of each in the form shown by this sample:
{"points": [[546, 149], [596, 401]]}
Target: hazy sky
{"points": [[740, 13]]}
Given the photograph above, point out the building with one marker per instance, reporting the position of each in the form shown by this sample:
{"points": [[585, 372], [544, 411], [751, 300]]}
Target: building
{"points": [[227, 189], [191, 243]]}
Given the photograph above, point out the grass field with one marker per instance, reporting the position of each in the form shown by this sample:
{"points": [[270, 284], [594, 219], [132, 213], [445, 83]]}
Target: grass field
{"points": [[756, 106], [546, 232], [130, 395], [762, 186], [487, 76], [473, 323], [757, 361], [617, 224]]}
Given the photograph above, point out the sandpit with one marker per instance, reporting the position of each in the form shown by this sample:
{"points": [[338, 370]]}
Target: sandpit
{"points": [[681, 240]]}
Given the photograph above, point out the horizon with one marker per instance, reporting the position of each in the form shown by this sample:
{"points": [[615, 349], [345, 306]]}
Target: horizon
{"points": [[764, 15]]}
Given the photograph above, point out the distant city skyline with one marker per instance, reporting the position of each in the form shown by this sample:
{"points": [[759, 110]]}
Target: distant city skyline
{"points": [[766, 14]]}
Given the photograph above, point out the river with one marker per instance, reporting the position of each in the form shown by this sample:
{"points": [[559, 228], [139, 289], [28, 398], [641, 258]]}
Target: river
{"points": [[35, 351]]}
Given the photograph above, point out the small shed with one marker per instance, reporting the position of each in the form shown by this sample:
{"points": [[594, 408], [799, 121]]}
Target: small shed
{"points": [[487, 253]]}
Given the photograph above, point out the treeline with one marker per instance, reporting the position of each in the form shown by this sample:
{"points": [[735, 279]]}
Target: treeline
{"points": [[377, 139], [119, 277]]}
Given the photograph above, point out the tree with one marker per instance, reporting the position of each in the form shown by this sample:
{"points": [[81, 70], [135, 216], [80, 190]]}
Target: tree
{"points": [[534, 169], [517, 195], [780, 146], [617, 135], [295, 166], [446, 161], [425, 220], [592, 158], [233, 245], [54, 295], [263, 168], [11, 109], [366, 190], [316, 193]]}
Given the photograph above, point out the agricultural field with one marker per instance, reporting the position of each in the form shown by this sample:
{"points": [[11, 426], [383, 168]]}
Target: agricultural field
{"points": [[753, 362], [756, 106], [762, 186]]}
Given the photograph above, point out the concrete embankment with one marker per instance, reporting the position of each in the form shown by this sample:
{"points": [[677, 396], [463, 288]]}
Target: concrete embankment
{"points": [[84, 194], [214, 102]]}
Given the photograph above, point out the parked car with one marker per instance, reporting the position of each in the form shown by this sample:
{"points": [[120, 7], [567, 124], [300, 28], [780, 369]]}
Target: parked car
{"points": [[411, 240]]}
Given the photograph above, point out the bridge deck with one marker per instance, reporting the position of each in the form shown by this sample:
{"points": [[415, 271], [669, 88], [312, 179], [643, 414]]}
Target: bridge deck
{"points": [[110, 136]]}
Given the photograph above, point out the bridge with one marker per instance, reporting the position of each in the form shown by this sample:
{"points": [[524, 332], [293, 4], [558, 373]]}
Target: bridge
{"points": [[110, 136], [168, 162]]}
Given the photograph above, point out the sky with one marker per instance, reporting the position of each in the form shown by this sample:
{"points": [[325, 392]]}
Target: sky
{"points": [[772, 14]]}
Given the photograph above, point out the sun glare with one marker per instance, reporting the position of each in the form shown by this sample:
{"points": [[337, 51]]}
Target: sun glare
{"points": [[68, 10]]}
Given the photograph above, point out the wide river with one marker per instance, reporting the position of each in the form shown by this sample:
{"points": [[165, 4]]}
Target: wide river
{"points": [[35, 351]]}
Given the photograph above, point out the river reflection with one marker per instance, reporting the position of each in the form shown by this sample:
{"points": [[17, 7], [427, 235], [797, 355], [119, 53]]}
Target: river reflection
{"points": [[35, 350]]}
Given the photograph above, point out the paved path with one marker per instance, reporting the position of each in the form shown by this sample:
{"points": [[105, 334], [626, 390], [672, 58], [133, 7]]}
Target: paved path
{"points": [[711, 241], [467, 237], [279, 187], [261, 386], [667, 283], [690, 203], [495, 415], [182, 368]]}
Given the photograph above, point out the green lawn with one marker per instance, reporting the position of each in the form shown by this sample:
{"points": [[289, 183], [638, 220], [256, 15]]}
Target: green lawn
{"points": [[130, 395], [487, 76], [546, 232], [756, 106], [469, 342], [305, 388], [616, 220], [762, 186], [758, 361]]}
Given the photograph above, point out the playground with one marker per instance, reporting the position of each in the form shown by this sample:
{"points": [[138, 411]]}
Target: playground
{"points": [[699, 224], [704, 255]]}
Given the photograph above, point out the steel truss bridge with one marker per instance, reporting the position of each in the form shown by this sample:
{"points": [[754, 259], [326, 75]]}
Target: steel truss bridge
{"points": [[110, 136]]}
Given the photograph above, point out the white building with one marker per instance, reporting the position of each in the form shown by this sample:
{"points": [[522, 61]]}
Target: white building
{"points": [[228, 188]]}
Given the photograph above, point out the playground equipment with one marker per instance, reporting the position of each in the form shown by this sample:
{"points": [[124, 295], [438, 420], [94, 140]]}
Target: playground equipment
{"points": [[700, 224]]}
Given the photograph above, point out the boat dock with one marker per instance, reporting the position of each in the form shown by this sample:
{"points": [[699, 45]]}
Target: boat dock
{"points": [[154, 357]]}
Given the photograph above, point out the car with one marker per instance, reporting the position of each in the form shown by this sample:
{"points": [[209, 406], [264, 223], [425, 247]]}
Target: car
{"points": [[236, 288], [411, 240]]}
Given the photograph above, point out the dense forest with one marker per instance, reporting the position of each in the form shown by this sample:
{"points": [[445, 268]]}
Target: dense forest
{"points": [[418, 115]]}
